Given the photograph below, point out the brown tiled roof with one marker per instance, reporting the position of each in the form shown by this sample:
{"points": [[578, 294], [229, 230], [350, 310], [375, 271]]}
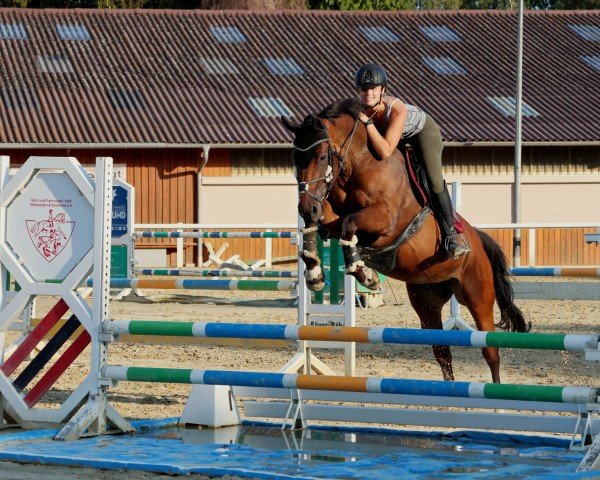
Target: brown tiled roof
{"points": [[145, 76]]}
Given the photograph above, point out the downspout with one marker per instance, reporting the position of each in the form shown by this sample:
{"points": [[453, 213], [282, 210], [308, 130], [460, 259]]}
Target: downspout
{"points": [[204, 161]]}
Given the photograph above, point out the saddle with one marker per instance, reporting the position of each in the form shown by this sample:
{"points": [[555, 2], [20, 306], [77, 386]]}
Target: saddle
{"points": [[384, 260], [419, 181]]}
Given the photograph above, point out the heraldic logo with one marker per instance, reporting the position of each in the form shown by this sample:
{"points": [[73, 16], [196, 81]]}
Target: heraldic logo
{"points": [[50, 235]]}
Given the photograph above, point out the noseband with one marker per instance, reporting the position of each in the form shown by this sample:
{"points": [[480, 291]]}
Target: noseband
{"points": [[328, 177]]}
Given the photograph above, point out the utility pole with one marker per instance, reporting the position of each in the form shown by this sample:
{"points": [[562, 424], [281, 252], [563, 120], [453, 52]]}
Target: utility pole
{"points": [[516, 213]]}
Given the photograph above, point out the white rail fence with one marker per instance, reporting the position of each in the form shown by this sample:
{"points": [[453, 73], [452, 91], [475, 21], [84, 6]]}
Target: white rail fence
{"points": [[268, 251]]}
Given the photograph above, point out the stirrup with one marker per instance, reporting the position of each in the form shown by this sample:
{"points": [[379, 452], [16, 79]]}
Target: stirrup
{"points": [[455, 249]]}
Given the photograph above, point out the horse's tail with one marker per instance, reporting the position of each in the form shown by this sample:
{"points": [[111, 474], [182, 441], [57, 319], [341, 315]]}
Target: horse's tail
{"points": [[511, 318]]}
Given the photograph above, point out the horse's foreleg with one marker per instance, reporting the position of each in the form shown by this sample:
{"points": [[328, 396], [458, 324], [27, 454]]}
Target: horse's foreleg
{"points": [[313, 273], [356, 267], [373, 221]]}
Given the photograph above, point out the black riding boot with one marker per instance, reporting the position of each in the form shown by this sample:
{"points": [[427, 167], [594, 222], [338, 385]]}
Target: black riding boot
{"points": [[453, 243]]}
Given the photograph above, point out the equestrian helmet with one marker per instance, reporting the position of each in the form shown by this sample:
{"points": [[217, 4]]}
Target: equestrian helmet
{"points": [[370, 75]]}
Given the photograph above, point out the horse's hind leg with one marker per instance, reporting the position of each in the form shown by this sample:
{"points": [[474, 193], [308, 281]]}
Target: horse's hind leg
{"points": [[478, 295], [428, 300]]}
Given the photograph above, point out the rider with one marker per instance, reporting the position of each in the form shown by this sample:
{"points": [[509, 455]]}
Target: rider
{"points": [[389, 120]]}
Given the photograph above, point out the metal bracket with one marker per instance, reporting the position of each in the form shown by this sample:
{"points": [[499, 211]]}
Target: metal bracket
{"points": [[106, 337], [592, 354], [294, 413], [582, 435]]}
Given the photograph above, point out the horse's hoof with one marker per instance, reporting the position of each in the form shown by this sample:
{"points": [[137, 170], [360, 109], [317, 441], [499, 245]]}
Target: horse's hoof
{"points": [[315, 286], [371, 279], [315, 280], [374, 285]]}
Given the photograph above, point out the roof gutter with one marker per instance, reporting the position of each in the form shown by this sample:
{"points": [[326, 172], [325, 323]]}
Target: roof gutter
{"points": [[98, 146], [202, 146], [576, 143]]}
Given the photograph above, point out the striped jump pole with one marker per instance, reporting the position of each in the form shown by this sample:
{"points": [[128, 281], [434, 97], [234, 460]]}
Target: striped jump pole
{"points": [[495, 391], [593, 272], [200, 284], [34, 337], [215, 234], [406, 336], [181, 272]]}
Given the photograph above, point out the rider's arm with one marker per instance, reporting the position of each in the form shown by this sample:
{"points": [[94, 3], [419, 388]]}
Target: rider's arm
{"points": [[386, 145]]}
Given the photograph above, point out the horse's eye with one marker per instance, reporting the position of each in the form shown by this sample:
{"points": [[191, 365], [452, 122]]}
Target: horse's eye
{"points": [[323, 158]]}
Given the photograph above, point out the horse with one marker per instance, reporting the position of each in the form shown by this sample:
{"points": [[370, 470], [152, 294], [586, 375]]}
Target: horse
{"points": [[346, 191]]}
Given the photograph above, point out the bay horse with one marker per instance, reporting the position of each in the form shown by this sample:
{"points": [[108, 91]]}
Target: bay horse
{"points": [[368, 203]]}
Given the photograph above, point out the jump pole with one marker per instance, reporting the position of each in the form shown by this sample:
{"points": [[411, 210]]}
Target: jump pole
{"points": [[397, 336], [188, 272], [497, 391], [201, 284], [584, 272], [215, 234]]}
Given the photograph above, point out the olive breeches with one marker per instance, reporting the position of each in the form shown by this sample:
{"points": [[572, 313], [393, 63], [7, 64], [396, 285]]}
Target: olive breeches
{"points": [[428, 143]]}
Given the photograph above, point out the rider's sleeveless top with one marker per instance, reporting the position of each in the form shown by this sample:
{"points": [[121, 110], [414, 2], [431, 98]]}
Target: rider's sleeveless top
{"points": [[415, 119]]}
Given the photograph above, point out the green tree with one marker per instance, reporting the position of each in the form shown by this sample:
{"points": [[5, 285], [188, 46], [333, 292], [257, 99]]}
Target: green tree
{"points": [[565, 4], [13, 3], [438, 4], [362, 4]]}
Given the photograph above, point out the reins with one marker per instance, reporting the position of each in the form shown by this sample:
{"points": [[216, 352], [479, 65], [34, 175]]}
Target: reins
{"points": [[328, 177]]}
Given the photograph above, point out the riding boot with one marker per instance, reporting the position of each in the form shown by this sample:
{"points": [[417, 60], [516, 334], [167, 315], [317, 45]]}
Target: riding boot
{"points": [[455, 246]]}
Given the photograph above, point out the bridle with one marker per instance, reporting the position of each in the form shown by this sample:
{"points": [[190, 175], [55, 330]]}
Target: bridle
{"points": [[328, 177]]}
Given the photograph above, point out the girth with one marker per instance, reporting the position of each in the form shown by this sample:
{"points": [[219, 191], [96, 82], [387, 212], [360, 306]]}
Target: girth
{"points": [[384, 259]]}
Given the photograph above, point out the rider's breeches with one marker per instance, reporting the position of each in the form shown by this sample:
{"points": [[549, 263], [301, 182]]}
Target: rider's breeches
{"points": [[429, 143]]}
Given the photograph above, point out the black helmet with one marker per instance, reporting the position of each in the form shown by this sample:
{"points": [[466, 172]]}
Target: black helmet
{"points": [[370, 75]]}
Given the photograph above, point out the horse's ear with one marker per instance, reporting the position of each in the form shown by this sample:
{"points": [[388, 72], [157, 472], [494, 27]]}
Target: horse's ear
{"points": [[292, 128], [313, 122]]}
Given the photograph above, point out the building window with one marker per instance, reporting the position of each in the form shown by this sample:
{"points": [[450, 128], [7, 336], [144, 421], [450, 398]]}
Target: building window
{"points": [[19, 99], [269, 107], [126, 99], [219, 66], [73, 33], [587, 32], [444, 65], [283, 66], [227, 34], [12, 31], [379, 34], [261, 162], [507, 106], [440, 34], [592, 61], [55, 64]]}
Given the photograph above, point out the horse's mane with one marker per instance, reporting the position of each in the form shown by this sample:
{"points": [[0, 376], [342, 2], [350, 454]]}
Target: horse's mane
{"points": [[348, 106]]}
